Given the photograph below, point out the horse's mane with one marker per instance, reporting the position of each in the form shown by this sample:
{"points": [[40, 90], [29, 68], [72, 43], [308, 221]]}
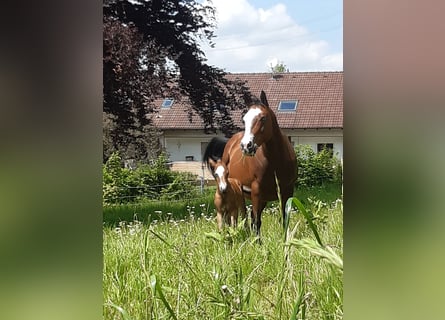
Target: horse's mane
{"points": [[214, 150]]}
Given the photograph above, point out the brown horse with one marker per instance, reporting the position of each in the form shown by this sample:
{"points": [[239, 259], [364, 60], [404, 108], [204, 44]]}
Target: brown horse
{"points": [[256, 156], [229, 198]]}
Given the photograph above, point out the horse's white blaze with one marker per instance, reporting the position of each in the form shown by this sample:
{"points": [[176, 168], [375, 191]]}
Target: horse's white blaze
{"points": [[248, 119], [220, 173]]}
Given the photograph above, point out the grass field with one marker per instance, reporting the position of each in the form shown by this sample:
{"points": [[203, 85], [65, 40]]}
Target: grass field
{"points": [[172, 265]]}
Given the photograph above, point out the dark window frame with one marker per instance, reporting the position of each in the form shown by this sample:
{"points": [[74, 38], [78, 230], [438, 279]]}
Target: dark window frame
{"points": [[328, 146]]}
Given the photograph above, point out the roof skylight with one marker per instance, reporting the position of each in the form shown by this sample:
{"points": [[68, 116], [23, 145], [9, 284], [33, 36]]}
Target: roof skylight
{"points": [[288, 105], [167, 103]]}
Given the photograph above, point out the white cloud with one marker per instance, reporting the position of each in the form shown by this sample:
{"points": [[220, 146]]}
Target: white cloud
{"points": [[249, 38], [333, 61]]}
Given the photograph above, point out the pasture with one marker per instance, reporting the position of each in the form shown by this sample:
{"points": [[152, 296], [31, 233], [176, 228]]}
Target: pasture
{"points": [[170, 264]]}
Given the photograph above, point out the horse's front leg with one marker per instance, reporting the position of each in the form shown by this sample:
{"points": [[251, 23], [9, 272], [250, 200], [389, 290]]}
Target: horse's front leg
{"points": [[244, 214], [257, 209]]}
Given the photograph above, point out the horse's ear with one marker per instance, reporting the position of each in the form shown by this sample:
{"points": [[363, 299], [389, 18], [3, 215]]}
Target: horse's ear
{"points": [[263, 98]]}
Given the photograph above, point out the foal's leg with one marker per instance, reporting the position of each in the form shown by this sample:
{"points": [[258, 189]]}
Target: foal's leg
{"points": [[234, 218], [219, 205], [219, 220], [227, 217]]}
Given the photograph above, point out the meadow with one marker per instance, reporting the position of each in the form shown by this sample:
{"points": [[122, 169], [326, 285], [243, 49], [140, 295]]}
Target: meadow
{"points": [[169, 262]]}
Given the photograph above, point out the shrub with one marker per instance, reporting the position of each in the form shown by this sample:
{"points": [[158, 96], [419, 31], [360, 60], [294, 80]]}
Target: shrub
{"points": [[315, 169], [154, 181], [115, 180]]}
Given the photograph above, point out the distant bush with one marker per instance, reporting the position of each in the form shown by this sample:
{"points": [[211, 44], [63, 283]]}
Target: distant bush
{"points": [[154, 181], [315, 169]]}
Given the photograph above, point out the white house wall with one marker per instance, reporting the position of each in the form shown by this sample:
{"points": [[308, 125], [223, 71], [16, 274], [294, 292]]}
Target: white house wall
{"points": [[313, 137], [182, 143]]}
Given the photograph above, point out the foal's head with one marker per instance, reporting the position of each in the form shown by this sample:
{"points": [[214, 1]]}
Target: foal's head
{"points": [[220, 173], [258, 126]]}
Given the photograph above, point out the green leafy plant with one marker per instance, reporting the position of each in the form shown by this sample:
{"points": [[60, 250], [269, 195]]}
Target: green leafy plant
{"points": [[154, 181], [115, 178], [315, 169]]}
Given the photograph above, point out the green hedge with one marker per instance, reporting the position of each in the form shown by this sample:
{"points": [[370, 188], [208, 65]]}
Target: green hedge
{"points": [[157, 182], [147, 182], [316, 169]]}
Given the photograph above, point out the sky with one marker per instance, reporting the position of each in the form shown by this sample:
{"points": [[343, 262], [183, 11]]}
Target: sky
{"points": [[252, 35]]}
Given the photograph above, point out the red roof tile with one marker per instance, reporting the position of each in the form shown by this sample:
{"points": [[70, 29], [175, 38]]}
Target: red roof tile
{"points": [[319, 96]]}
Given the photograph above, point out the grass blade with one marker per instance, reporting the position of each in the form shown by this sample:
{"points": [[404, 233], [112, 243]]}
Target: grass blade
{"points": [[316, 249], [156, 288], [306, 214], [298, 304], [160, 238], [215, 236], [121, 310]]}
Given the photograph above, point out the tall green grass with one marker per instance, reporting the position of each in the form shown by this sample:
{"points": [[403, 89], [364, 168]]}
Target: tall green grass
{"points": [[182, 268], [158, 210], [327, 192]]}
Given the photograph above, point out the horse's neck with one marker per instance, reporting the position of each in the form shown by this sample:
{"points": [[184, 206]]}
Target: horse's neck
{"points": [[276, 142], [271, 147], [276, 131]]}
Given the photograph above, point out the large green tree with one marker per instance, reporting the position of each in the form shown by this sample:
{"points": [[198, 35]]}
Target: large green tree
{"points": [[151, 49]]}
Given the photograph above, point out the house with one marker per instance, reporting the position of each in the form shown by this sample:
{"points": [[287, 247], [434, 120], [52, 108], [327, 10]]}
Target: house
{"points": [[308, 106]]}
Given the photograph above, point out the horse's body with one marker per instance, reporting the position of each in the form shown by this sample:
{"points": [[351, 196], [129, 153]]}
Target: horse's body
{"points": [[256, 157], [229, 198]]}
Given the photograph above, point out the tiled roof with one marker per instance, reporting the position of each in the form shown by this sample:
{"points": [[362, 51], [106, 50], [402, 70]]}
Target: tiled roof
{"points": [[319, 96]]}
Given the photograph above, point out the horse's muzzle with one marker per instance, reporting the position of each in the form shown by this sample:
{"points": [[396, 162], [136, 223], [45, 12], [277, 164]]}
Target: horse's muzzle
{"points": [[249, 149], [222, 187]]}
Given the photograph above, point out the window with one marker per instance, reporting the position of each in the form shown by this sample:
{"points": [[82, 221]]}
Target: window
{"points": [[167, 103], [327, 146], [287, 105], [203, 147]]}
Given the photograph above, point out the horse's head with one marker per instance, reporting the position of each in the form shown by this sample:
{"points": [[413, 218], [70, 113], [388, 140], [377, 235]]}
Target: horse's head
{"points": [[221, 174], [258, 126]]}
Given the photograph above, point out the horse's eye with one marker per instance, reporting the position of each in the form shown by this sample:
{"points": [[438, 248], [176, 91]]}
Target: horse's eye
{"points": [[263, 119]]}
